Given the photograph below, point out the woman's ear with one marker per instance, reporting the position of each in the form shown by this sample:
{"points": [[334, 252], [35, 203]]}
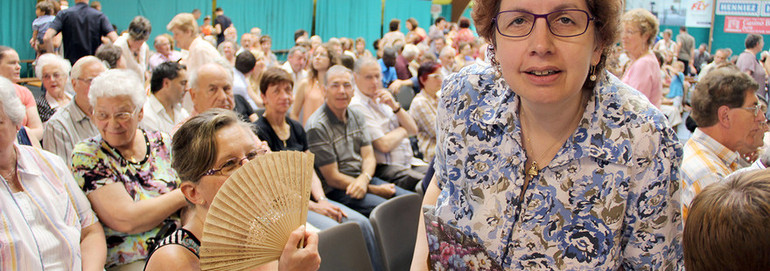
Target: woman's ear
{"points": [[191, 193]]}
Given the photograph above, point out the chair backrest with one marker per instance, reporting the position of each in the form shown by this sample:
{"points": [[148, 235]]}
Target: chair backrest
{"points": [[405, 96], [342, 247], [395, 228]]}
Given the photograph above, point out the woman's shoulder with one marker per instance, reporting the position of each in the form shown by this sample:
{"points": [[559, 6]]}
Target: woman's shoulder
{"points": [[172, 257], [90, 146]]}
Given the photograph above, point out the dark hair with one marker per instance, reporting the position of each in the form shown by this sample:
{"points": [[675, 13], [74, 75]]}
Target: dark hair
{"points": [[439, 19], [376, 44], [464, 22], [683, 28], [426, 69], [218, 9], [194, 145], [607, 23], [727, 225], [274, 76], [140, 28], [299, 33], [45, 6], [165, 70], [265, 38], [245, 62], [347, 61], [752, 40], [720, 87], [413, 22], [394, 24], [389, 56], [110, 54]]}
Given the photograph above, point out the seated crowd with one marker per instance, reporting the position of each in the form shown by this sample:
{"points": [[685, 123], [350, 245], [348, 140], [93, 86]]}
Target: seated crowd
{"points": [[125, 140]]}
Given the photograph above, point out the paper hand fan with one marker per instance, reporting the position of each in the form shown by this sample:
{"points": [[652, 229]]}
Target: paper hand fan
{"points": [[255, 210]]}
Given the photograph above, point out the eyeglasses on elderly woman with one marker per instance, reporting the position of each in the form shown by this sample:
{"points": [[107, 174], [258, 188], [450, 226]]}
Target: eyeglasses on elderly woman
{"points": [[562, 23], [233, 164]]}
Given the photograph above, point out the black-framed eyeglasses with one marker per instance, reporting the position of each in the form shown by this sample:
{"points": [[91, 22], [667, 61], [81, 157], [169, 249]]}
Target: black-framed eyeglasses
{"points": [[232, 165], [562, 23]]}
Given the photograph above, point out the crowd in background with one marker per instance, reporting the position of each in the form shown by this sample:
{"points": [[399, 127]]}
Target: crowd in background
{"points": [[130, 135]]}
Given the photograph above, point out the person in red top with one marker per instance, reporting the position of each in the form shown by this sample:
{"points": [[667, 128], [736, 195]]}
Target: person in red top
{"points": [[10, 69]]}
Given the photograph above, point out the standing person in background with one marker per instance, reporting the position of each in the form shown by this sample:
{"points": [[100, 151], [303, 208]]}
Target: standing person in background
{"points": [[164, 51], [134, 47], [700, 58], [464, 33], [666, 46], [221, 22], [44, 12], [394, 34], [685, 44], [82, 28], [416, 34], [643, 74], [747, 62]]}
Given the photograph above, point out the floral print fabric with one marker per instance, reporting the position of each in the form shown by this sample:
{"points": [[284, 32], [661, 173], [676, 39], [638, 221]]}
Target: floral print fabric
{"points": [[609, 198], [96, 164]]}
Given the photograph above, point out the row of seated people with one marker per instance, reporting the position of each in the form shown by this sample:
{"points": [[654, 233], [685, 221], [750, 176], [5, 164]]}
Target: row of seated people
{"points": [[131, 177]]}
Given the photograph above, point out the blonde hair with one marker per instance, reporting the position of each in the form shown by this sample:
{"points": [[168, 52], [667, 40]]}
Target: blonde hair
{"points": [[184, 22], [647, 23]]}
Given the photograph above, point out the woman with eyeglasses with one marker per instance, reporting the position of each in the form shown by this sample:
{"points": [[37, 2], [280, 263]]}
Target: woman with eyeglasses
{"points": [[544, 160], [208, 148], [54, 72], [126, 171], [643, 73], [424, 106]]}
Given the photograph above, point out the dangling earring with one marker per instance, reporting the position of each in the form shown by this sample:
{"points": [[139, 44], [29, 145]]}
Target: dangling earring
{"points": [[591, 71], [493, 61]]}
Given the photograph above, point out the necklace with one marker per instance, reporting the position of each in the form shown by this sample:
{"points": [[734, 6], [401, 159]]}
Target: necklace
{"points": [[133, 161], [534, 169]]}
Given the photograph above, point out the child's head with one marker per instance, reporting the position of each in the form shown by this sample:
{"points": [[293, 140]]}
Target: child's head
{"points": [[44, 8], [727, 225], [678, 66]]}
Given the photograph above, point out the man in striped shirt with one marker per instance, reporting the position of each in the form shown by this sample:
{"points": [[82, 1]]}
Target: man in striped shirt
{"points": [[72, 123], [731, 122]]}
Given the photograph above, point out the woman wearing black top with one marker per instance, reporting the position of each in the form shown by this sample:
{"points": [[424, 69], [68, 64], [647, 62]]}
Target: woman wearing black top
{"points": [[282, 133]]}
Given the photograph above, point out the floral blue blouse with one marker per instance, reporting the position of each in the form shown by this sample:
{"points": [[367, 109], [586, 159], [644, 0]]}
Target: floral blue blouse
{"points": [[609, 198]]}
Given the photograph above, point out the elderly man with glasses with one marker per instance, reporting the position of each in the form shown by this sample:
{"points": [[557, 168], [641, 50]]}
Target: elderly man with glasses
{"points": [[731, 121]]}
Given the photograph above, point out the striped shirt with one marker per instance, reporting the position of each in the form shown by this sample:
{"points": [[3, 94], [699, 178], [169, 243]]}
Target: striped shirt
{"points": [[705, 162], [66, 128], [423, 111], [40, 226]]}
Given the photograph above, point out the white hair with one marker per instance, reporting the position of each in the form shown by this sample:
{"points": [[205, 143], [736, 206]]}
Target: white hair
{"points": [[410, 51], [338, 69], [11, 104], [448, 50], [77, 69], [51, 59], [118, 82]]}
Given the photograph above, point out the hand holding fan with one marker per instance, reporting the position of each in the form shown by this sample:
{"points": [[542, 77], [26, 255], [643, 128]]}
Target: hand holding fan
{"points": [[255, 210]]}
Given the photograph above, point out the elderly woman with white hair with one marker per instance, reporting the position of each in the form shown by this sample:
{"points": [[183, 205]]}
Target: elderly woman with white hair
{"points": [[54, 72], [47, 222], [126, 171]]}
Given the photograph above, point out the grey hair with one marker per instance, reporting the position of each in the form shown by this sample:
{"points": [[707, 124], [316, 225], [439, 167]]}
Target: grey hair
{"points": [[51, 59], [410, 51], [192, 77], [362, 62], [11, 104], [448, 50], [337, 69], [117, 82], [296, 49], [77, 69]]}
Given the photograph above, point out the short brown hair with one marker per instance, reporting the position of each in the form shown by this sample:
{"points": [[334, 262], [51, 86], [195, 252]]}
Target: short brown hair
{"points": [[606, 12], [140, 28], [45, 7], [723, 86], [643, 19], [274, 76], [194, 145], [727, 226]]}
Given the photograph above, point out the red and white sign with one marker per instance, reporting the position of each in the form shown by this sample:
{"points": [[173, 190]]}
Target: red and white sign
{"points": [[746, 25]]}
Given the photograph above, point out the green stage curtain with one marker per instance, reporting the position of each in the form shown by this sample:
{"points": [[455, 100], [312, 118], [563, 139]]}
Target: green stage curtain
{"points": [[16, 27], [279, 19], [349, 18]]}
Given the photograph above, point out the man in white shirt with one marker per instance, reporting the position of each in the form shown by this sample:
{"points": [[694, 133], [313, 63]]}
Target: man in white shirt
{"points": [[295, 64], [389, 127], [168, 85]]}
